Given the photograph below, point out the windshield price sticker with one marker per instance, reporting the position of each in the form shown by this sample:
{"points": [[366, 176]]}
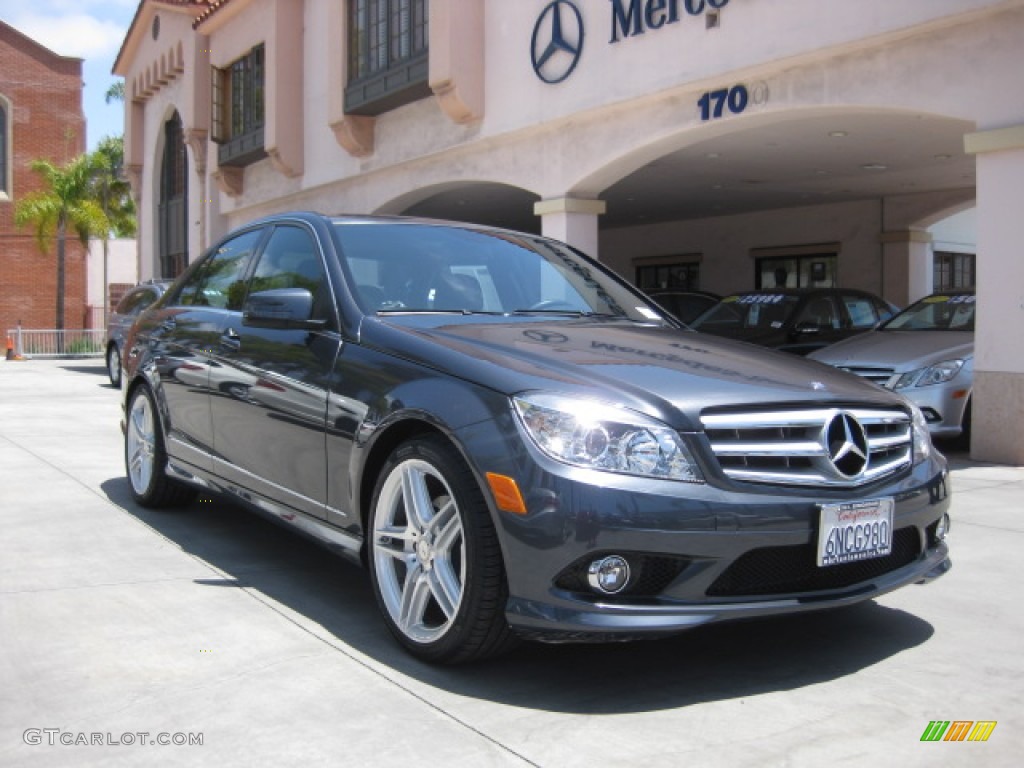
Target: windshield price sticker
{"points": [[755, 298], [855, 531]]}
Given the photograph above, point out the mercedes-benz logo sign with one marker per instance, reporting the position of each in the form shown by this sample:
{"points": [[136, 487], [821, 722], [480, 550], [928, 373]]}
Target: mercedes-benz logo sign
{"points": [[847, 445], [555, 48]]}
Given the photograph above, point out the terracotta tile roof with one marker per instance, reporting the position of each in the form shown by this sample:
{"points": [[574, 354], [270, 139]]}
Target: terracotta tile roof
{"points": [[212, 6]]}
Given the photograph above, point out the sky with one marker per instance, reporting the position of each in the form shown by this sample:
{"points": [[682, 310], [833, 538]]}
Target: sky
{"points": [[91, 30]]}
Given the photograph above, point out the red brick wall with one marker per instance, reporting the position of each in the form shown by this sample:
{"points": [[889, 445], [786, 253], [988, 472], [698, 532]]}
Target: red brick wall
{"points": [[43, 98]]}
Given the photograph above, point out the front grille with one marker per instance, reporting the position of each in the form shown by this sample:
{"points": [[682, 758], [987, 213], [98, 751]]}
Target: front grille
{"points": [[791, 447], [879, 376], [793, 569]]}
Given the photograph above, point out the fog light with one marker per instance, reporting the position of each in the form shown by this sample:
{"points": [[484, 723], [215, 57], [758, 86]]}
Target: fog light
{"points": [[942, 528], [608, 575]]}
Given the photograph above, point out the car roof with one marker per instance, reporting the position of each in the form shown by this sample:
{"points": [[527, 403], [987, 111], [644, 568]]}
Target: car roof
{"points": [[797, 291], [366, 218]]}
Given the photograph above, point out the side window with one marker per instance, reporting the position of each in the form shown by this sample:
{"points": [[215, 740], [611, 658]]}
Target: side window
{"points": [[219, 281], [129, 303], [146, 298], [291, 259], [820, 312]]}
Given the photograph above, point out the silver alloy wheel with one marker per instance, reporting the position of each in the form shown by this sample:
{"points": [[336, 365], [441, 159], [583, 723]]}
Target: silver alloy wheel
{"points": [[141, 444], [419, 551], [114, 365]]}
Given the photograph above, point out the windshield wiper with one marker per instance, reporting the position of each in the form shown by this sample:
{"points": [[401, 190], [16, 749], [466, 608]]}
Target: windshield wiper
{"points": [[409, 311], [564, 313]]}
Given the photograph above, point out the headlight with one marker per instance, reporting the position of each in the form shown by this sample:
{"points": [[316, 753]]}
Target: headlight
{"points": [[596, 435], [922, 438], [936, 374]]}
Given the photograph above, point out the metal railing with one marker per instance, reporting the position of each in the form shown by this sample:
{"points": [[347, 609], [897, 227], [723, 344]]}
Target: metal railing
{"points": [[51, 343]]}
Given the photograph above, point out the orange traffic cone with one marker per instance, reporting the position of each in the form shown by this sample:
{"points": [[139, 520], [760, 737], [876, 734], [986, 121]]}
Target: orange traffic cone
{"points": [[10, 349]]}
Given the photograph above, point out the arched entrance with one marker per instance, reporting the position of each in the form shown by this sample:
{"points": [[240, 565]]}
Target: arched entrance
{"points": [[172, 207]]}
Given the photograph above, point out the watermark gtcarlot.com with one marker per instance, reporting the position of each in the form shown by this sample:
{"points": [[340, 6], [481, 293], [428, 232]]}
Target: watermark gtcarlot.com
{"points": [[59, 737]]}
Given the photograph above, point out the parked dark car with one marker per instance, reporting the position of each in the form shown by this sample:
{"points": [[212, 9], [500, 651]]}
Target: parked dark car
{"points": [[128, 309], [685, 306], [797, 320], [518, 444], [926, 352]]}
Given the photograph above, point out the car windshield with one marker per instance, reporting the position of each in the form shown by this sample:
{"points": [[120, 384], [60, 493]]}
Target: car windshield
{"points": [[762, 311], [401, 268], [941, 312]]}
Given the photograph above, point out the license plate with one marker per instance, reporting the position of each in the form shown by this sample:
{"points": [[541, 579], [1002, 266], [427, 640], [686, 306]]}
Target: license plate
{"points": [[858, 530]]}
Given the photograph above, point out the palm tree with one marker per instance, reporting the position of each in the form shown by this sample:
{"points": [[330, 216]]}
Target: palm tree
{"points": [[115, 92], [114, 194], [66, 202]]}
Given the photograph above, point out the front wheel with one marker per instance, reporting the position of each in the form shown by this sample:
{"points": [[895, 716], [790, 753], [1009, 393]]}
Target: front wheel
{"points": [[114, 365], [145, 459], [434, 558]]}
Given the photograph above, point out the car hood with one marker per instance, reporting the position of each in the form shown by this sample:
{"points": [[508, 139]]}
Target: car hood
{"points": [[670, 374], [770, 337], [899, 350]]}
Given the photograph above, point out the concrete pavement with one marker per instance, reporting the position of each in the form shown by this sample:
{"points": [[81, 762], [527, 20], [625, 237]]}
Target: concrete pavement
{"points": [[209, 624]]}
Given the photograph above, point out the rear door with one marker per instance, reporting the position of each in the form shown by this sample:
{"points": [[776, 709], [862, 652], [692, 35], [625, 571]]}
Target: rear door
{"points": [[183, 337]]}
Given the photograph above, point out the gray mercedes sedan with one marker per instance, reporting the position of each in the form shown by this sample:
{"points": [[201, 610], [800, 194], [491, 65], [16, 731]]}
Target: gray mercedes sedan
{"points": [[518, 444]]}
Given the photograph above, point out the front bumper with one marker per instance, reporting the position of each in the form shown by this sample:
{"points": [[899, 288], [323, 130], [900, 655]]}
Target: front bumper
{"points": [[698, 553], [943, 406]]}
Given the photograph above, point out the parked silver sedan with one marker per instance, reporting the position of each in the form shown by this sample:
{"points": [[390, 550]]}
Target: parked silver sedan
{"points": [[926, 353]]}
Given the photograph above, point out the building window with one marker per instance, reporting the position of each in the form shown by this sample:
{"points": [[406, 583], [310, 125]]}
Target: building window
{"points": [[813, 270], [387, 63], [5, 182], [239, 109], [953, 270], [172, 208], [673, 275]]}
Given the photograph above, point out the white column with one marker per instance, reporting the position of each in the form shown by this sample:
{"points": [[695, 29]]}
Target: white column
{"points": [[998, 409], [571, 220], [907, 265]]}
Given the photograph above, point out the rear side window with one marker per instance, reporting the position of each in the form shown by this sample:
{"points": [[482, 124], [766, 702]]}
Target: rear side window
{"points": [[219, 281]]}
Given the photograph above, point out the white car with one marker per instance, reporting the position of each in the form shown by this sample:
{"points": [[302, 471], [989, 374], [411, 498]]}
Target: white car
{"points": [[926, 353]]}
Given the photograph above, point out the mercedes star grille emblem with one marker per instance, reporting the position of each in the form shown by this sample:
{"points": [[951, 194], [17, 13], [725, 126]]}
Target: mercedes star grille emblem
{"points": [[553, 51], [846, 445]]}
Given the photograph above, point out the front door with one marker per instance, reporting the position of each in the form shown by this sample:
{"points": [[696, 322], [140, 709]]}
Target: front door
{"points": [[269, 391]]}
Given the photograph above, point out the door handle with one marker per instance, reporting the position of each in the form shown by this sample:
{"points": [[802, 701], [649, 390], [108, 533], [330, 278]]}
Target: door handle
{"points": [[230, 339]]}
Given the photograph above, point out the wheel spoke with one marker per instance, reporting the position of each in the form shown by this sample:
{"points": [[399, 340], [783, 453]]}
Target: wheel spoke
{"points": [[447, 526], [394, 542], [445, 588], [415, 597], [416, 496]]}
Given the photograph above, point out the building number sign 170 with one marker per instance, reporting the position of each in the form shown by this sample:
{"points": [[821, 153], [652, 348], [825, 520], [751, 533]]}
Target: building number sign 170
{"points": [[714, 103]]}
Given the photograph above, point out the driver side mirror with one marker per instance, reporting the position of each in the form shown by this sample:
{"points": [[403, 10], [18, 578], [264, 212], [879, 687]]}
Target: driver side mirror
{"points": [[281, 308]]}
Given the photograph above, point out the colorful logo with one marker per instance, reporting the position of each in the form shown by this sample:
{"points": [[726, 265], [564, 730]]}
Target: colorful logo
{"points": [[958, 730]]}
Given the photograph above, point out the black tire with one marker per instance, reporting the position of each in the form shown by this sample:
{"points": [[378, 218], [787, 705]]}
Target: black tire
{"points": [[439, 578], [114, 365], [145, 458], [963, 442]]}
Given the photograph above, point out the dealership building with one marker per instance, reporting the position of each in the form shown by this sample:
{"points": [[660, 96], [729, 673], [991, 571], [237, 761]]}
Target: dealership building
{"points": [[696, 144]]}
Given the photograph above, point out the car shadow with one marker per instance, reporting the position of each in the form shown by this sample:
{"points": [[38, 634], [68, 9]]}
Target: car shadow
{"points": [[712, 663], [99, 368]]}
